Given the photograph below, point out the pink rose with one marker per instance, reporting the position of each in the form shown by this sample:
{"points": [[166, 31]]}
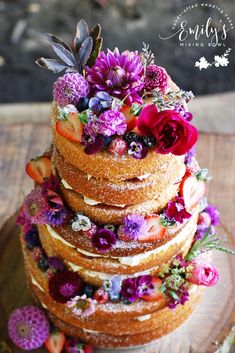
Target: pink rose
{"points": [[172, 132], [204, 273]]}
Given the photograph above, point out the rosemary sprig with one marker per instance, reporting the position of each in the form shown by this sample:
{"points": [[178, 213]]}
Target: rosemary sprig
{"points": [[209, 242], [148, 56]]}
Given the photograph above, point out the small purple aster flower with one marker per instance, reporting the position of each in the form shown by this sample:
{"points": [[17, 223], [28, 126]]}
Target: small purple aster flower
{"points": [[155, 78], [104, 239], [69, 88], [214, 214], [112, 122], [120, 75], [176, 210], [189, 155], [56, 217], [100, 102], [56, 263], [137, 150], [129, 289], [179, 108], [134, 226], [145, 285], [28, 327]]}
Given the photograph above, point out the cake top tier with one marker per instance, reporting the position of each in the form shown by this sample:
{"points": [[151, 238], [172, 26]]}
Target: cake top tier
{"points": [[120, 102]]}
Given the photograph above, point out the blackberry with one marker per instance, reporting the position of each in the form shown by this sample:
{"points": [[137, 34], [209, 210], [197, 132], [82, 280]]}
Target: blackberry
{"points": [[130, 137], [82, 104], [107, 141], [89, 290], [32, 238], [43, 264], [148, 141]]}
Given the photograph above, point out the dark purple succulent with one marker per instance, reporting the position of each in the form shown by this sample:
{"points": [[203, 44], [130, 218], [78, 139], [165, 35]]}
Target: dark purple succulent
{"points": [[176, 210], [104, 239]]}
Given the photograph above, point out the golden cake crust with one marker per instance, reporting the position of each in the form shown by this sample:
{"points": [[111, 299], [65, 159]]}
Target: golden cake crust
{"points": [[125, 192]]}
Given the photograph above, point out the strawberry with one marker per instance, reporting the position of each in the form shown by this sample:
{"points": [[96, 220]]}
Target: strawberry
{"points": [[39, 168], [71, 128], [88, 348], [156, 293], [118, 146], [101, 296], [192, 190], [55, 342], [130, 117], [155, 230]]}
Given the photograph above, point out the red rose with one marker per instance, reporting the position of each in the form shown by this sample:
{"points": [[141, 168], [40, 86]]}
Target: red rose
{"points": [[172, 132]]}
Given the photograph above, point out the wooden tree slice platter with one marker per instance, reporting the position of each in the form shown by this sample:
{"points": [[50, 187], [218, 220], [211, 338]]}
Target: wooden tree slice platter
{"points": [[206, 331]]}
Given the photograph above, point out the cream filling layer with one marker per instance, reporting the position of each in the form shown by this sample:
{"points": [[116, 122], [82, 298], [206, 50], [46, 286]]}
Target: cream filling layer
{"points": [[35, 283], [134, 260]]}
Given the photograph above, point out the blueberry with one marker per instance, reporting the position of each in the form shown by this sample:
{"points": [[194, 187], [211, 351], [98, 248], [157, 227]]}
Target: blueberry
{"points": [[89, 290], [43, 264], [130, 137], [82, 104], [107, 141], [126, 301], [148, 141], [114, 297], [32, 238]]}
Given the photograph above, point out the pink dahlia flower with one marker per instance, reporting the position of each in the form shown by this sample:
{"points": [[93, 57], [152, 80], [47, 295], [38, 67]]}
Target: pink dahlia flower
{"points": [[204, 273], [120, 75], [155, 78]]}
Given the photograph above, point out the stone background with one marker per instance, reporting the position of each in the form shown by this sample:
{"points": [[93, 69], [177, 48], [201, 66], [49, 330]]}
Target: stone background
{"points": [[125, 23]]}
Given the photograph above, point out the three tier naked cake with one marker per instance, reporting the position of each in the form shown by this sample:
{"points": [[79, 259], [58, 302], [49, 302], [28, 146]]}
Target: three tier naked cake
{"points": [[115, 232]]}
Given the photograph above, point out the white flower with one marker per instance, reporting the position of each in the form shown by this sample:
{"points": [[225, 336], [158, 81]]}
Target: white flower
{"points": [[221, 61], [202, 63], [82, 306], [80, 222]]}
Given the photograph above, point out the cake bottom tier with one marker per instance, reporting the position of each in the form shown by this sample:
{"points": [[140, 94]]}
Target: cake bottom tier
{"points": [[128, 332]]}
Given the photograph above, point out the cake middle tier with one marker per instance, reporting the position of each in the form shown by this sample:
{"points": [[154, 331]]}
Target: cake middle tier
{"points": [[124, 192]]}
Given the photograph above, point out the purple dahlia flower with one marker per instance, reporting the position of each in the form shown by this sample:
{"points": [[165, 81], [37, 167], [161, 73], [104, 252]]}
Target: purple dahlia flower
{"points": [[28, 327], [120, 75], [69, 88]]}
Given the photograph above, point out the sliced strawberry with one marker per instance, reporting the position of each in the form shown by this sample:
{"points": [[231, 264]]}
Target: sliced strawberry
{"points": [[156, 293], [155, 230], [192, 190], [71, 128], [39, 168], [88, 349], [55, 342], [130, 117]]}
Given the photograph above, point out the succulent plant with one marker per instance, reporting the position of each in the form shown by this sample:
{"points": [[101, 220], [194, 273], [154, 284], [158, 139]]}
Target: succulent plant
{"points": [[86, 47]]}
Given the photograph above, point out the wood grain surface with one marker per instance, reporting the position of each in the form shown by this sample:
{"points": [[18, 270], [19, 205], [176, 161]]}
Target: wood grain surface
{"points": [[207, 329]]}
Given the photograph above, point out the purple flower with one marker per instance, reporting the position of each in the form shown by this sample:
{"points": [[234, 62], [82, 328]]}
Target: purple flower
{"points": [[104, 239], [145, 285], [100, 102], [134, 226], [189, 155], [56, 263], [69, 88], [181, 297], [93, 144], [36, 206], [129, 289], [65, 285], [111, 122], [28, 327], [56, 217], [179, 108], [214, 214], [120, 75], [113, 287], [81, 305], [176, 210], [24, 220], [155, 78], [137, 150]]}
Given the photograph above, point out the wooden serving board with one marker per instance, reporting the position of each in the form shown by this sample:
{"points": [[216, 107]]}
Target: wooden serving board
{"points": [[204, 332]]}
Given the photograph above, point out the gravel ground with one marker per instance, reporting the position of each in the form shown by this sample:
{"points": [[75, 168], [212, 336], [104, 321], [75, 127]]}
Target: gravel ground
{"points": [[125, 23]]}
